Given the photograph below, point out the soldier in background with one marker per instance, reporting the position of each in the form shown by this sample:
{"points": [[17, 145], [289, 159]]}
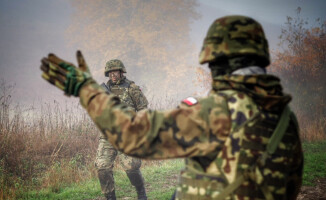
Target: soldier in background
{"points": [[240, 142], [130, 94]]}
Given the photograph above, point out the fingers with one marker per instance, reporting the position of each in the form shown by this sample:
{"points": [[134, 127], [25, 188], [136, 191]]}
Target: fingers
{"points": [[65, 75], [47, 65], [45, 68], [53, 73], [58, 69], [56, 75], [57, 61], [81, 61], [53, 77], [53, 81]]}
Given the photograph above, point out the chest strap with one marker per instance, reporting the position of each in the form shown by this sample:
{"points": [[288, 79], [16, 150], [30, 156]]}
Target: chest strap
{"points": [[270, 149]]}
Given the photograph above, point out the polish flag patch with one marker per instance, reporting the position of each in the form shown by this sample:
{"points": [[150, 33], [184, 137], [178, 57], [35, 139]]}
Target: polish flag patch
{"points": [[190, 101]]}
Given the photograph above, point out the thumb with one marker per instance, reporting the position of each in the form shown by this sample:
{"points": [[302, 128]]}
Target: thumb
{"points": [[81, 62]]}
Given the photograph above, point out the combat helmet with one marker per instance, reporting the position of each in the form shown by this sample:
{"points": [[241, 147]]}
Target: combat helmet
{"points": [[233, 36], [112, 65]]}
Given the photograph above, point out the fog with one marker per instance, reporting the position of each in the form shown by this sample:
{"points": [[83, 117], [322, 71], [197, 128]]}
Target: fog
{"points": [[31, 29]]}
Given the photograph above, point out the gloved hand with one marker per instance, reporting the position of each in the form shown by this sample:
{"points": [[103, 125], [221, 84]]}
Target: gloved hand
{"points": [[65, 75]]}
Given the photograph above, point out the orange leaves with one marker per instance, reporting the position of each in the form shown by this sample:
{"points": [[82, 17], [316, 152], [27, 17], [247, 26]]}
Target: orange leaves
{"points": [[302, 66], [305, 48]]}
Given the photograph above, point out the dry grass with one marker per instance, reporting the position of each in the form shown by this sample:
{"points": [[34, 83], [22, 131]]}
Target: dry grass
{"points": [[45, 146], [48, 146], [312, 129], [30, 157], [53, 145]]}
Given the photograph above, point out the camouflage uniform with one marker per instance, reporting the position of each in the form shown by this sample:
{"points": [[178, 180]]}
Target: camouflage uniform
{"points": [[240, 142], [130, 94], [223, 136]]}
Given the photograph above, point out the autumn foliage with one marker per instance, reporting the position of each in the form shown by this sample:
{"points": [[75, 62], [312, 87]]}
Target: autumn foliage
{"points": [[302, 66]]}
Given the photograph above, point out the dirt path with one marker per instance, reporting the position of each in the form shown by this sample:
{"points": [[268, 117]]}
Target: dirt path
{"points": [[317, 192]]}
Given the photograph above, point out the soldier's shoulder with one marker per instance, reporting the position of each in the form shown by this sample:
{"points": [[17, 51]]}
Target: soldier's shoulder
{"points": [[208, 108], [210, 100], [130, 83], [134, 86], [190, 101]]}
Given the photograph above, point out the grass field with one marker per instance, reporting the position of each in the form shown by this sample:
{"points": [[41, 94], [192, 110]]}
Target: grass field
{"points": [[160, 184], [48, 153], [314, 162], [161, 179]]}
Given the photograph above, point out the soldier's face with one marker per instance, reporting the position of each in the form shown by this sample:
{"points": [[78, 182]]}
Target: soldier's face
{"points": [[115, 75]]}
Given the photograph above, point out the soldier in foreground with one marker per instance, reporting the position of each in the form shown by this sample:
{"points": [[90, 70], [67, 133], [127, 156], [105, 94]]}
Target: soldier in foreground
{"points": [[240, 142], [130, 94]]}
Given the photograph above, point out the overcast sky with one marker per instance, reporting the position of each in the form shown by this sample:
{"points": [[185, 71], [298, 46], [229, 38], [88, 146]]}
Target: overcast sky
{"points": [[30, 29]]}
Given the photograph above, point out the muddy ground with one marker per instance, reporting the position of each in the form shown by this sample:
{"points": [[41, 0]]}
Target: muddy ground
{"points": [[317, 192]]}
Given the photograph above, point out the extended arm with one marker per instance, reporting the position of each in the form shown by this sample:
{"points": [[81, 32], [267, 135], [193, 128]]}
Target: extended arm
{"points": [[185, 131]]}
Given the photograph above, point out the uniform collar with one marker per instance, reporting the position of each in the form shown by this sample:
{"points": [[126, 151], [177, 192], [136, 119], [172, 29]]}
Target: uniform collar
{"points": [[265, 90]]}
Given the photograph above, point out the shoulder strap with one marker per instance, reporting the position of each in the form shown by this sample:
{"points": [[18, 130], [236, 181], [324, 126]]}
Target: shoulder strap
{"points": [[277, 135], [128, 82], [270, 149]]}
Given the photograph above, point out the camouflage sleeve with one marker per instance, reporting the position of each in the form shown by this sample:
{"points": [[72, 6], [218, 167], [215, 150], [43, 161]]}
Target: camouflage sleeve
{"points": [[138, 97], [185, 131]]}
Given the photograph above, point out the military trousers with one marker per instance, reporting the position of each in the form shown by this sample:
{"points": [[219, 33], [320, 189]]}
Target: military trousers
{"points": [[105, 157], [107, 154]]}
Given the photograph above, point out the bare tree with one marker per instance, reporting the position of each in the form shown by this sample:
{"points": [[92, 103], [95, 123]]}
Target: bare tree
{"points": [[302, 64]]}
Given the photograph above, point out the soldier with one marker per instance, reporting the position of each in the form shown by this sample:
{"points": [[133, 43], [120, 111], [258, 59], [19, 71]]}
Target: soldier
{"points": [[240, 142], [130, 94]]}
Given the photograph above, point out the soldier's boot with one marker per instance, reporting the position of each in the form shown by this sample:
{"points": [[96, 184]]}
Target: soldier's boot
{"points": [[107, 183], [137, 180], [110, 196]]}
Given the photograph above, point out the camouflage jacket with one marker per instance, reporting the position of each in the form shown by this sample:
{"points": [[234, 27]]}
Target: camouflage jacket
{"points": [[221, 136], [129, 93]]}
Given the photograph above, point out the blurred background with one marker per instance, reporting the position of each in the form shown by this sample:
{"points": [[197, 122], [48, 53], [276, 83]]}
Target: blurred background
{"points": [[159, 43]]}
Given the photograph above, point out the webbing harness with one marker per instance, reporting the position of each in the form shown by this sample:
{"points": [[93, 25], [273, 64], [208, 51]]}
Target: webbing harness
{"points": [[270, 149]]}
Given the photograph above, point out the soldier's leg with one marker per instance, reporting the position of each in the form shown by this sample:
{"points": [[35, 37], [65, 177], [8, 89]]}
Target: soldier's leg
{"points": [[131, 166], [104, 163], [173, 195]]}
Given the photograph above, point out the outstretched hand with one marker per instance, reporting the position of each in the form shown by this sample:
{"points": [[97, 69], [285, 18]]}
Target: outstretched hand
{"points": [[66, 76]]}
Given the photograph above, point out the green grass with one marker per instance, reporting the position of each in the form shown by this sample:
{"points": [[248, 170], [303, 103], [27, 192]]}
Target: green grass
{"points": [[86, 190], [160, 183], [160, 179], [314, 162]]}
